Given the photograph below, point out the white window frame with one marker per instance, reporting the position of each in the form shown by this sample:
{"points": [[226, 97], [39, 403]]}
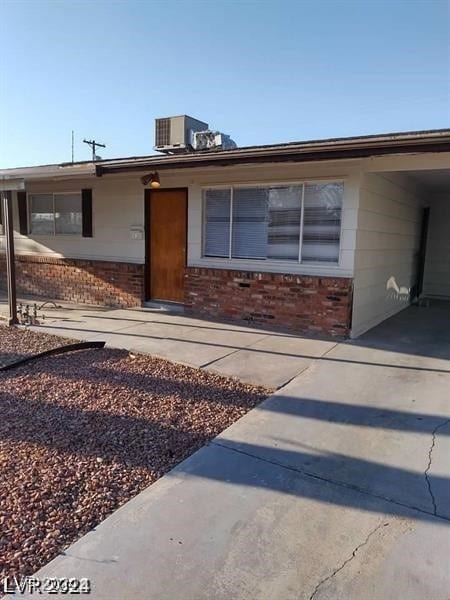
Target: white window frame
{"points": [[53, 194], [231, 260]]}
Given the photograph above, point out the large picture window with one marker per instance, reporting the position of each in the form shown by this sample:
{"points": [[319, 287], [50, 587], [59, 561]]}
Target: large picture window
{"points": [[298, 222], [55, 214]]}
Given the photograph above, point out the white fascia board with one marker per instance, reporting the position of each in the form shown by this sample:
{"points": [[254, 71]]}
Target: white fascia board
{"points": [[11, 185], [48, 172], [407, 162]]}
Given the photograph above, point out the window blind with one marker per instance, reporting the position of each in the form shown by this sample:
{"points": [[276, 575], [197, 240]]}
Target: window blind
{"points": [[322, 222], [217, 223], [249, 230], [266, 222], [285, 205]]}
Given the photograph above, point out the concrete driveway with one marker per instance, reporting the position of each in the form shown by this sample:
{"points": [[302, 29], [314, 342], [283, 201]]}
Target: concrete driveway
{"points": [[336, 487]]}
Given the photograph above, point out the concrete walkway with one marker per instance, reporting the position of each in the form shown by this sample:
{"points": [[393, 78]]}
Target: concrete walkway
{"points": [[252, 355], [336, 487]]}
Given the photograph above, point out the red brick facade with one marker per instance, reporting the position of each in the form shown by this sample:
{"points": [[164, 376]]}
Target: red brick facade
{"points": [[295, 302], [82, 281]]}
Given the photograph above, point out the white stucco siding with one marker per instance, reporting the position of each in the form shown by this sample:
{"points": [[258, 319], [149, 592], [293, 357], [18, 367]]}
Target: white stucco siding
{"points": [[387, 243], [437, 265], [118, 205]]}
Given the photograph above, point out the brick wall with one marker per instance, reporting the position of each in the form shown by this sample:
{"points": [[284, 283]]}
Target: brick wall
{"points": [[298, 303], [82, 281]]}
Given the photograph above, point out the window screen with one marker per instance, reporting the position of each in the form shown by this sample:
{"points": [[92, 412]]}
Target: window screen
{"points": [[68, 214], [322, 222], [42, 217]]}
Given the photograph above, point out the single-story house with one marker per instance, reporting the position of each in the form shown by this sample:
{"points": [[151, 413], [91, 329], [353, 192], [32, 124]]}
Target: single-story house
{"points": [[330, 236]]}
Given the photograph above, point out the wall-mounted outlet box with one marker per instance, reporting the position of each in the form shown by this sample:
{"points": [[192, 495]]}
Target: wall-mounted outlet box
{"points": [[137, 232]]}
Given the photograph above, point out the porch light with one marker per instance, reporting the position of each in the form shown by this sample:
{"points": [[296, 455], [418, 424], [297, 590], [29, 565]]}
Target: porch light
{"points": [[152, 179]]}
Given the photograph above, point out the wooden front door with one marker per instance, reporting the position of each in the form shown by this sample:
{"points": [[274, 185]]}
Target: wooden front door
{"points": [[166, 239]]}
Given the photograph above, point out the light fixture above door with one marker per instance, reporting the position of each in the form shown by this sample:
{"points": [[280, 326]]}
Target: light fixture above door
{"points": [[152, 179]]}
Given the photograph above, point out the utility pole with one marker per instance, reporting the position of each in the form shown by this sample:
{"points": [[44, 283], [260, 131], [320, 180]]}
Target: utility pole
{"points": [[94, 145], [73, 154]]}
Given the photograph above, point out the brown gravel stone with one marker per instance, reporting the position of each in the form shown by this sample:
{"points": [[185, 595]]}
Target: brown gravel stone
{"points": [[18, 342], [82, 433]]}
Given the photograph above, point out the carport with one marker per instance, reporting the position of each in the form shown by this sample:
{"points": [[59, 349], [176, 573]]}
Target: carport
{"points": [[403, 244]]}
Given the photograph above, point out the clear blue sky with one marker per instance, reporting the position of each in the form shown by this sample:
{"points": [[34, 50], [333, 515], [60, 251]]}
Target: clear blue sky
{"points": [[263, 71]]}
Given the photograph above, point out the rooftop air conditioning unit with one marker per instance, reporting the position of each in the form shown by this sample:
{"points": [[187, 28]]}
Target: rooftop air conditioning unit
{"points": [[212, 140], [175, 134]]}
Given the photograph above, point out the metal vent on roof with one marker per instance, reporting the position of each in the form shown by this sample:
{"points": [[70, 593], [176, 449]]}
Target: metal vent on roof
{"points": [[162, 133]]}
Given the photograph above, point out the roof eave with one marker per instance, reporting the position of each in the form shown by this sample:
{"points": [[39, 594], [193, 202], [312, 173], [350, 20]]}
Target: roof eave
{"points": [[48, 171], [306, 153]]}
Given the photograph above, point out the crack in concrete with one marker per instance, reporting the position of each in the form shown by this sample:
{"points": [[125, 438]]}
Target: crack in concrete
{"points": [[343, 484], [430, 460], [347, 561]]}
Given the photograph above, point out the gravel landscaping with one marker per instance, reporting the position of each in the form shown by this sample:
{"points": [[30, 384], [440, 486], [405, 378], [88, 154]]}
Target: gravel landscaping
{"points": [[82, 433], [16, 343]]}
